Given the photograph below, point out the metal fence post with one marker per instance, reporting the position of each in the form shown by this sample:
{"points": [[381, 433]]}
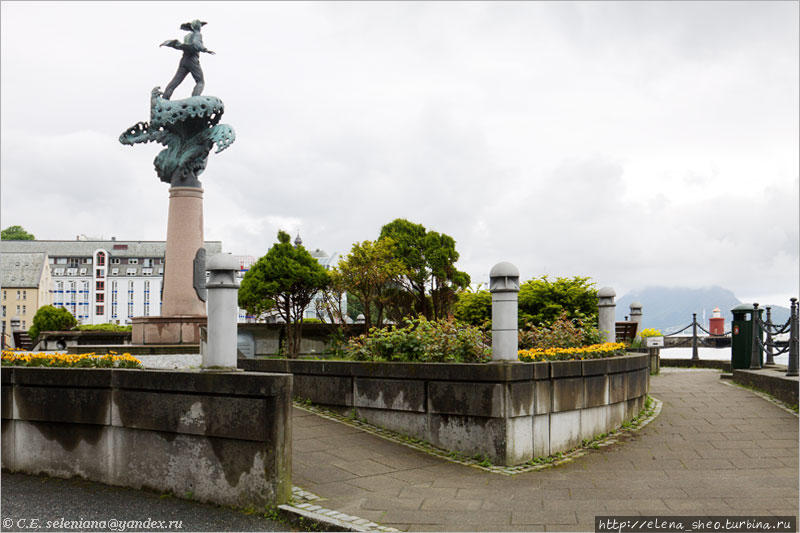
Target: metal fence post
{"points": [[769, 347], [695, 356], [755, 349], [793, 340]]}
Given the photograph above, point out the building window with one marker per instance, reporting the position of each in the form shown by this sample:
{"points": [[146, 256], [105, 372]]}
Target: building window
{"points": [[100, 286], [130, 272], [133, 261], [61, 261], [17, 310], [83, 272], [148, 262], [98, 310], [147, 272], [146, 298], [23, 325], [87, 260], [72, 272], [73, 262], [5, 294], [4, 311], [18, 294], [99, 297], [24, 310], [58, 271], [51, 260], [72, 297], [114, 299], [130, 299], [101, 258], [115, 260]]}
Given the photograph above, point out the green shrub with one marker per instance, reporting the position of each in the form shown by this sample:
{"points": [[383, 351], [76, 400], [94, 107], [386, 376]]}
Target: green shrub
{"points": [[421, 340], [49, 318], [103, 327], [562, 333]]}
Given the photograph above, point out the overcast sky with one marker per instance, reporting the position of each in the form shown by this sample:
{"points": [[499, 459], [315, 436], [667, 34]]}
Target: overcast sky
{"points": [[639, 143]]}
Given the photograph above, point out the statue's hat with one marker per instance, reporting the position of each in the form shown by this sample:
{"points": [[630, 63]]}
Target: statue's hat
{"points": [[189, 26]]}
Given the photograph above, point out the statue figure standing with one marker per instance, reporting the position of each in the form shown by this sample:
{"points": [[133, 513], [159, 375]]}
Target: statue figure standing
{"points": [[190, 62]]}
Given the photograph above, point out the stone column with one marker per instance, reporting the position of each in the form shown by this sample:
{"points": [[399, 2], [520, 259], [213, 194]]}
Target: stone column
{"points": [[504, 286], [606, 316], [636, 315], [223, 289], [184, 239]]}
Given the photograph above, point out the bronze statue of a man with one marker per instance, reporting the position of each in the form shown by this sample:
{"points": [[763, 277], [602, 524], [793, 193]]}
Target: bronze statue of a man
{"points": [[190, 62]]}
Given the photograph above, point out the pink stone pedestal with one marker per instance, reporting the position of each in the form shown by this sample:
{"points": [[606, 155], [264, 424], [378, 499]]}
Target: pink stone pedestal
{"points": [[182, 311]]}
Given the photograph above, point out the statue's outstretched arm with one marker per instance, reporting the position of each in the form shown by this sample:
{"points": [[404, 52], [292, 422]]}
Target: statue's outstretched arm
{"points": [[172, 43]]}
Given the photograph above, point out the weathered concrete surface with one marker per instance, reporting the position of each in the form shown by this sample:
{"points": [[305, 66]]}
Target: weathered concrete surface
{"points": [[224, 437], [714, 450], [502, 410], [773, 381]]}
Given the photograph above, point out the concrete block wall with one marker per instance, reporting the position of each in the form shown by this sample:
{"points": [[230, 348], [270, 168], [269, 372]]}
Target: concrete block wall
{"points": [[510, 412], [221, 437]]}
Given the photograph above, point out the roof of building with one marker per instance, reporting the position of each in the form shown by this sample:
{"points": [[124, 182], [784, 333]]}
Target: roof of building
{"points": [[81, 248], [323, 258], [21, 270]]}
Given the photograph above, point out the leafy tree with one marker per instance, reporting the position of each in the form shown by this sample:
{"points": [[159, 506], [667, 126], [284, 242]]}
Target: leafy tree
{"points": [[368, 272], [284, 280], [474, 307], [16, 233], [50, 318], [542, 300], [431, 281]]}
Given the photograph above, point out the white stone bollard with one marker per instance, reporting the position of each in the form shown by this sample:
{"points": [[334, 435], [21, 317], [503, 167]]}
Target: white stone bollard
{"points": [[636, 315], [223, 309], [606, 316], [504, 286]]}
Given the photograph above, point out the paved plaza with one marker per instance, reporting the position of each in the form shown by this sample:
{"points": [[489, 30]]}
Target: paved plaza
{"points": [[715, 449]]}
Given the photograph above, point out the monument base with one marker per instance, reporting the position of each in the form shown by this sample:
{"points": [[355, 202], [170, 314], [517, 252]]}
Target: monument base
{"points": [[167, 329]]}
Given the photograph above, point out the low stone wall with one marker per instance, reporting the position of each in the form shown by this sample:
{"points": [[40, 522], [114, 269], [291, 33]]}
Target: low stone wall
{"points": [[218, 437], [258, 340], [510, 412], [772, 381], [79, 340], [725, 366]]}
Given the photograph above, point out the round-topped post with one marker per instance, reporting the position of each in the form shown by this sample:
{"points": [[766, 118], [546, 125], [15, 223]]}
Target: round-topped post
{"points": [[768, 343], [504, 286], [223, 290], [755, 349], [606, 313], [794, 333], [636, 315]]}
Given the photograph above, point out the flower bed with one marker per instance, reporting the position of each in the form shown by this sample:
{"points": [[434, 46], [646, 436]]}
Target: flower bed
{"points": [[86, 360], [594, 351]]}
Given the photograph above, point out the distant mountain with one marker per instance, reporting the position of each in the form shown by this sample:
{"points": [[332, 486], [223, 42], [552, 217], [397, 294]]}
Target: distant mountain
{"points": [[670, 308]]}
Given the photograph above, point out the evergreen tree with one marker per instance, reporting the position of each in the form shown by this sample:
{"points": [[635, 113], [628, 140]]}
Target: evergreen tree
{"points": [[284, 280]]}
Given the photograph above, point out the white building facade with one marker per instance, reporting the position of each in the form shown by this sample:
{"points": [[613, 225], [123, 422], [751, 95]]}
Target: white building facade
{"points": [[102, 282]]}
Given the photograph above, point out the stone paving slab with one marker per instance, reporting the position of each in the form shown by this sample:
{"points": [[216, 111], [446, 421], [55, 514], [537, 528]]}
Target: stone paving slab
{"points": [[682, 463]]}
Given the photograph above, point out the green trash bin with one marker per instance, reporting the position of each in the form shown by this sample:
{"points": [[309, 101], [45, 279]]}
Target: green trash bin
{"points": [[742, 336]]}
